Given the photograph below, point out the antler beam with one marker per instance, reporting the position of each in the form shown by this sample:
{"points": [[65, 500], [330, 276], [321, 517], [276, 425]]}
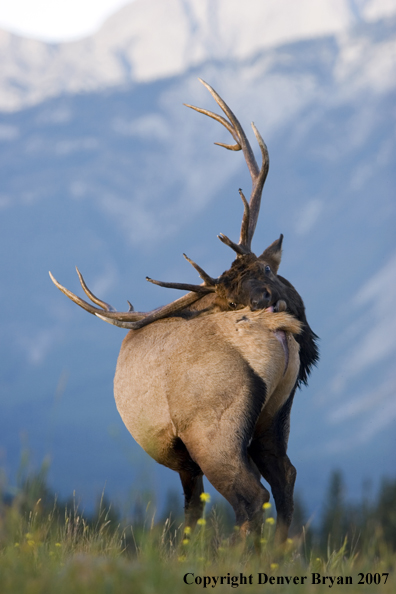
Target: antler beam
{"points": [[130, 319], [258, 176]]}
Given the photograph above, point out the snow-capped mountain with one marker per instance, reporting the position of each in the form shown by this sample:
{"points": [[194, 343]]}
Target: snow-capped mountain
{"points": [[149, 40]]}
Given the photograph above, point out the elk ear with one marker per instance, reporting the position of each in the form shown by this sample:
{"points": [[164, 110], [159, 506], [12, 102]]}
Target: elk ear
{"points": [[273, 254]]}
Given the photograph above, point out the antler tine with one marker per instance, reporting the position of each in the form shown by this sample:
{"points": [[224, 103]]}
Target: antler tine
{"points": [[202, 289], [255, 198], [239, 249], [93, 298], [239, 134], [242, 247], [208, 286], [208, 280], [224, 122], [87, 306], [244, 237]]}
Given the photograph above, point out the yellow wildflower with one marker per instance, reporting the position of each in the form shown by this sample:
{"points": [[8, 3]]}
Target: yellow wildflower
{"points": [[205, 497], [274, 565], [267, 505], [270, 521], [201, 522]]}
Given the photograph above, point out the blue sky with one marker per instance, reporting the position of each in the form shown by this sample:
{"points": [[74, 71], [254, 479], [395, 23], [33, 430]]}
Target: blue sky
{"points": [[56, 20]]}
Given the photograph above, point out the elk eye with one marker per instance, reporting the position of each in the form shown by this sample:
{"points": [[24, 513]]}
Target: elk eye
{"points": [[268, 268], [232, 305]]}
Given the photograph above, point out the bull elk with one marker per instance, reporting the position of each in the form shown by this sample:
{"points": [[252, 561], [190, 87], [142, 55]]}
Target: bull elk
{"points": [[205, 384]]}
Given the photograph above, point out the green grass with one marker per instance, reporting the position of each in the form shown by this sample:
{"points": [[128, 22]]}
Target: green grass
{"points": [[57, 550]]}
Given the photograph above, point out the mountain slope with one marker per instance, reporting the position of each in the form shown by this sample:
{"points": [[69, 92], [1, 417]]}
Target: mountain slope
{"points": [[150, 39]]}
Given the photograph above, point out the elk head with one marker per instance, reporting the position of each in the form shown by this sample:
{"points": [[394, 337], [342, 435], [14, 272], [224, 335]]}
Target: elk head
{"points": [[251, 281]]}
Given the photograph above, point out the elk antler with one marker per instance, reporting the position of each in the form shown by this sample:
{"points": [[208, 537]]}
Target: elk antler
{"points": [[251, 212], [135, 319]]}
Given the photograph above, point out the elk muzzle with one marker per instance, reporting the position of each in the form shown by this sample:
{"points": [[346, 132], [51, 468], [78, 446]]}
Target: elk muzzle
{"points": [[260, 299]]}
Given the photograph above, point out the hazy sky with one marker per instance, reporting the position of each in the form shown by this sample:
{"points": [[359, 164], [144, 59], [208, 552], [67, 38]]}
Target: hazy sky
{"points": [[56, 20]]}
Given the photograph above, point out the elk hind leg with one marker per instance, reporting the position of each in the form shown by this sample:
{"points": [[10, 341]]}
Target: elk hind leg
{"points": [[268, 452], [230, 471], [192, 482], [280, 473]]}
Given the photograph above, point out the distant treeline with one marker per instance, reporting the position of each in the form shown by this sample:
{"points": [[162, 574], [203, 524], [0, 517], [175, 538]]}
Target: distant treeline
{"points": [[369, 520], [363, 523]]}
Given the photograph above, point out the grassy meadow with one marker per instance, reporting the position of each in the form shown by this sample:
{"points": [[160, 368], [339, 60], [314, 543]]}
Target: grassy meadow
{"points": [[49, 546]]}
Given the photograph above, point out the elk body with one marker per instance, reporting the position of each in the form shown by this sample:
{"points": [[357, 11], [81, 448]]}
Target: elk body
{"points": [[205, 384]]}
